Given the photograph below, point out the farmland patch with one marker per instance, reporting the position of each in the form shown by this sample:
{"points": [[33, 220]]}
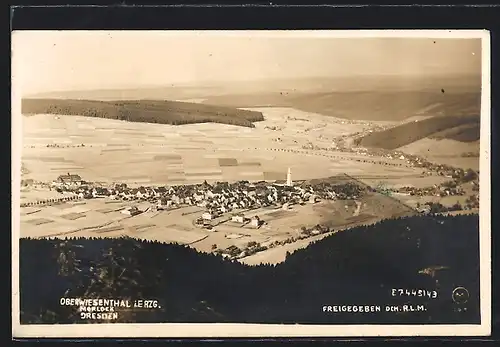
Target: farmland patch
{"points": [[39, 221], [73, 216], [228, 162]]}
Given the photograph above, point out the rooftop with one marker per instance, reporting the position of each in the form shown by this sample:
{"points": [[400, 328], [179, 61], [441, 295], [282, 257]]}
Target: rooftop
{"points": [[72, 177]]}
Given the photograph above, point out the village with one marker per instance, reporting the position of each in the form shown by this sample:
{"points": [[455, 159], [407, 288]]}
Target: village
{"points": [[458, 177], [235, 203], [402, 159], [217, 198], [219, 203]]}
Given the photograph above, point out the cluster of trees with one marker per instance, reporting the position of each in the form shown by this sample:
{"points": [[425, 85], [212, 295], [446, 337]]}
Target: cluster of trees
{"points": [[470, 154], [148, 111], [188, 108], [472, 202], [360, 265], [436, 207], [344, 191], [464, 176]]}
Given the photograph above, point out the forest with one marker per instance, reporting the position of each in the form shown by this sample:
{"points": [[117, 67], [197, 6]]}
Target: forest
{"points": [[460, 128], [146, 111], [359, 266]]}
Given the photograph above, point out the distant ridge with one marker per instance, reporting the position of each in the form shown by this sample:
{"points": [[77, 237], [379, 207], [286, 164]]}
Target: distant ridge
{"points": [[438, 127], [147, 111]]}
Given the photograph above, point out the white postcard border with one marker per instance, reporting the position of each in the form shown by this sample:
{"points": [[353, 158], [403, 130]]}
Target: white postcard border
{"points": [[189, 330]]}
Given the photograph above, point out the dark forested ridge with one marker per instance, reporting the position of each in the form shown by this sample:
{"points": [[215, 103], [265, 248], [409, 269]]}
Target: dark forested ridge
{"points": [[465, 128], [359, 266], [147, 111], [374, 105]]}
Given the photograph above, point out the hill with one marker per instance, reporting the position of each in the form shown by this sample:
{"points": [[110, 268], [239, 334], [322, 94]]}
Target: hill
{"points": [[148, 111], [378, 97], [439, 127], [440, 148], [463, 133], [375, 105], [360, 266]]}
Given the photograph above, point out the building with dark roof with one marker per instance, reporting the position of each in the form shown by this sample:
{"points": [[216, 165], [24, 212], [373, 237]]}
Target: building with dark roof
{"points": [[69, 179]]}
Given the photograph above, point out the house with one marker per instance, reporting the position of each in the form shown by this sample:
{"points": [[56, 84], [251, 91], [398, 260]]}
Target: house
{"points": [[163, 204], [120, 186], [159, 191], [197, 197], [126, 195], [176, 199], [99, 192], [255, 222], [424, 209], [69, 179], [239, 218], [313, 199], [208, 216], [142, 193], [131, 211]]}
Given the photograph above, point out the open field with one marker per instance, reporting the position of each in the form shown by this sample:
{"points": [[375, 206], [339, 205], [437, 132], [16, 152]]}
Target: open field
{"points": [[445, 151], [107, 151], [339, 215], [104, 150], [102, 218]]}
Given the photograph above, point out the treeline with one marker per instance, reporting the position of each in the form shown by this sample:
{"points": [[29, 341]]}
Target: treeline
{"points": [[410, 132], [462, 133], [359, 266], [147, 111]]}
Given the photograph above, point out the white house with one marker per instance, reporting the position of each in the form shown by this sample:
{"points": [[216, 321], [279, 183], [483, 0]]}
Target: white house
{"points": [[197, 197], [255, 222], [159, 191], [313, 199], [238, 218], [176, 199], [207, 216], [424, 209], [163, 204], [131, 211]]}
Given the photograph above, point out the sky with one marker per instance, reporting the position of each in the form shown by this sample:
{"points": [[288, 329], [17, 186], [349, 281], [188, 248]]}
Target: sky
{"points": [[79, 60]]}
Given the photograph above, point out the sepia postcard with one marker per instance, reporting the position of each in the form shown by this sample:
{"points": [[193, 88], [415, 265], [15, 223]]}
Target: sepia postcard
{"points": [[213, 184]]}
